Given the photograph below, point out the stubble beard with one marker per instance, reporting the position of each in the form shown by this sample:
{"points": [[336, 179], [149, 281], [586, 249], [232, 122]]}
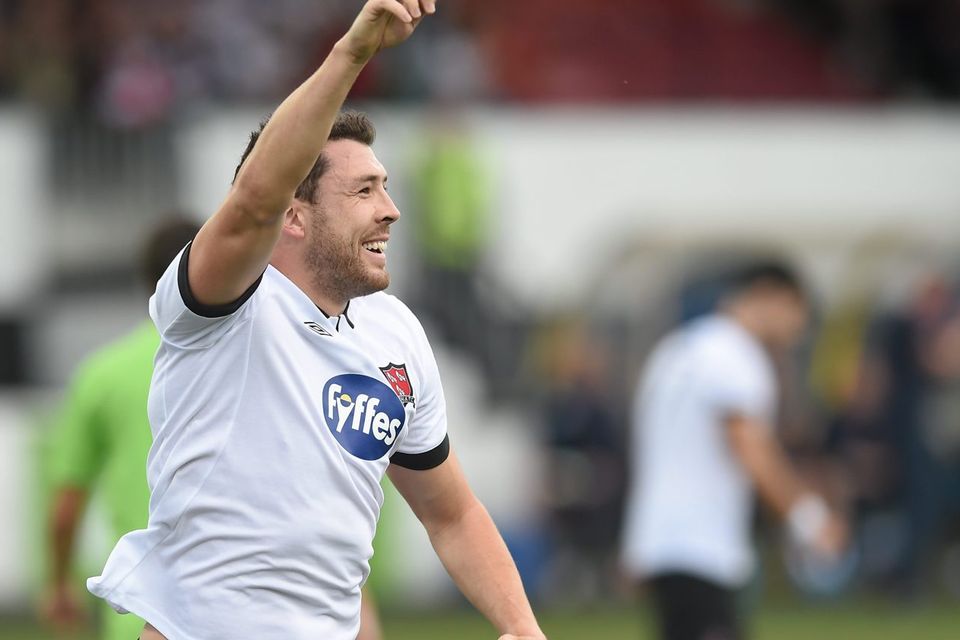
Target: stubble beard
{"points": [[338, 269]]}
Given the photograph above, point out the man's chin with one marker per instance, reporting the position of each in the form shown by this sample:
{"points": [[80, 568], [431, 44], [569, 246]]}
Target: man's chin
{"points": [[376, 281]]}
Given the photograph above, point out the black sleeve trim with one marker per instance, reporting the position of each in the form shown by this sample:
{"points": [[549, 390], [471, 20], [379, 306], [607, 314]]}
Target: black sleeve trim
{"points": [[423, 461], [208, 310]]}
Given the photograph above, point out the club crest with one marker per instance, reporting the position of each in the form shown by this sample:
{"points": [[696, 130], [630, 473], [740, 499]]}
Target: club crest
{"points": [[396, 375]]}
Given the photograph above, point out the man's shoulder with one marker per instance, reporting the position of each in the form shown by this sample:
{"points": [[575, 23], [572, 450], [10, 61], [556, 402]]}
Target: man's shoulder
{"points": [[390, 316], [730, 353], [698, 338], [720, 335]]}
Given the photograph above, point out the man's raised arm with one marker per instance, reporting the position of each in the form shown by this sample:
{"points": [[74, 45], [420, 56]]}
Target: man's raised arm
{"points": [[234, 246]]}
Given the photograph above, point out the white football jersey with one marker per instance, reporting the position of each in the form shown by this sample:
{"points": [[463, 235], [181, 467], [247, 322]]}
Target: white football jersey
{"points": [[273, 426], [690, 501]]}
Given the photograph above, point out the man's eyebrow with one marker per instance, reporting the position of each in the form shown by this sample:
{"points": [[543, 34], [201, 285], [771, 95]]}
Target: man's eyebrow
{"points": [[373, 177]]}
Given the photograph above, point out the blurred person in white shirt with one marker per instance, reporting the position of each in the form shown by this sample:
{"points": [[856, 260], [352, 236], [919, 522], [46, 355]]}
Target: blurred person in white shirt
{"points": [[703, 439]]}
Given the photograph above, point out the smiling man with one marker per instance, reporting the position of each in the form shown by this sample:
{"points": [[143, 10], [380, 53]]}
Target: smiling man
{"points": [[287, 384]]}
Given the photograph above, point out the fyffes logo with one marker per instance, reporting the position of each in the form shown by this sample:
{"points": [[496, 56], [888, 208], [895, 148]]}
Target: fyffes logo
{"points": [[363, 414]]}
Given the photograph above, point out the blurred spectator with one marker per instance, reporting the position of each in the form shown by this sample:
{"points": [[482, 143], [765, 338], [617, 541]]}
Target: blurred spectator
{"points": [[585, 464], [137, 88], [452, 213], [43, 52], [464, 75], [917, 351], [850, 384]]}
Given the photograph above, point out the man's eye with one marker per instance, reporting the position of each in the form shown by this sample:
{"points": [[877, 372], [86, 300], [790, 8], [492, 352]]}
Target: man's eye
{"points": [[365, 191]]}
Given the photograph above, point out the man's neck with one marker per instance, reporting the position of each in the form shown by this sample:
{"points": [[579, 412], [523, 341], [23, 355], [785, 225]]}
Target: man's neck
{"points": [[746, 319], [329, 303]]}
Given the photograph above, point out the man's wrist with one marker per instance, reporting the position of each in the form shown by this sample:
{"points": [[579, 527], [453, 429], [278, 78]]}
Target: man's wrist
{"points": [[527, 631], [343, 50], [59, 580], [807, 517]]}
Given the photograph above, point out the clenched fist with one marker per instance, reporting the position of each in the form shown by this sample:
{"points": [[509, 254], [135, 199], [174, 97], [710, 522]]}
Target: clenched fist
{"points": [[382, 24]]}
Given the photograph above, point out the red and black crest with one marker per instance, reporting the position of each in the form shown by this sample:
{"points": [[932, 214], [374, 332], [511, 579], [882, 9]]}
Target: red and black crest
{"points": [[396, 375]]}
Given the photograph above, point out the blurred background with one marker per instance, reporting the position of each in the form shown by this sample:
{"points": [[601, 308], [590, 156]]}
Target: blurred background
{"points": [[573, 177]]}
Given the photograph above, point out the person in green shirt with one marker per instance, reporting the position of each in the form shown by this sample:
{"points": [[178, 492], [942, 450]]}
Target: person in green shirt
{"points": [[100, 443]]}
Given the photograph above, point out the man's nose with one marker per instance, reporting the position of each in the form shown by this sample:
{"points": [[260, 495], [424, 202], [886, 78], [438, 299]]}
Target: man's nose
{"points": [[388, 211]]}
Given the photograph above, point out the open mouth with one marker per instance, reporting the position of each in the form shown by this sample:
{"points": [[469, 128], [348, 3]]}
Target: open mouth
{"points": [[379, 247]]}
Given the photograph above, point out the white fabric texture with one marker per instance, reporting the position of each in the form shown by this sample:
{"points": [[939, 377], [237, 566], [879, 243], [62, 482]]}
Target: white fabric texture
{"points": [[270, 441], [690, 501]]}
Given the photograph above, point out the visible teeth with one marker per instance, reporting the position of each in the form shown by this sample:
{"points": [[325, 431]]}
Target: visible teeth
{"points": [[380, 246]]}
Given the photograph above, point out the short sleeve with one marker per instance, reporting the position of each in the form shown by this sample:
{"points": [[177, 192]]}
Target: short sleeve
{"points": [[182, 320], [77, 446], [742, 384], [426, 444]]}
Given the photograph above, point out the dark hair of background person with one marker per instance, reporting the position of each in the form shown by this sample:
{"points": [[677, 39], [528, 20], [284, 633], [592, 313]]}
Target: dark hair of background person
{"points": [[349, 125], [768, 273], [162, 245]]}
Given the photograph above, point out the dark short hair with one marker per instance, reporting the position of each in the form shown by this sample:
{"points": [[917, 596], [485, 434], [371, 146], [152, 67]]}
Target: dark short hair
{"points": [[162, 245], [349, 125], [776, 274]]}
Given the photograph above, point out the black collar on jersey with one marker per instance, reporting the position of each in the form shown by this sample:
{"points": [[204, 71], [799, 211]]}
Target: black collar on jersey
{"points": [[343, 315]]}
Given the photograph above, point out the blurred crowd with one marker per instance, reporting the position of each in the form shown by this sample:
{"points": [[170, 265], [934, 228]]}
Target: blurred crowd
{"points": [[133, 63], [870, 413], [894, 47], [889, 380]]}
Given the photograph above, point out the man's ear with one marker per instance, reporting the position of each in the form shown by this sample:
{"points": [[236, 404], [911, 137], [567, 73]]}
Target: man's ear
{"points": [[295, 221]]}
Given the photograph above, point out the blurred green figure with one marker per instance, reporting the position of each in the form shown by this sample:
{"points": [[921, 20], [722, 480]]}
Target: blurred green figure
{"points": [[453, 204], [453, 191], [100, 444]]}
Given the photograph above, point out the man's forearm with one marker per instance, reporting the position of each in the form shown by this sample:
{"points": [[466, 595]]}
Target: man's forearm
{"points": [[476, 558], [289, 145], [64, 518], [765, 462]]}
